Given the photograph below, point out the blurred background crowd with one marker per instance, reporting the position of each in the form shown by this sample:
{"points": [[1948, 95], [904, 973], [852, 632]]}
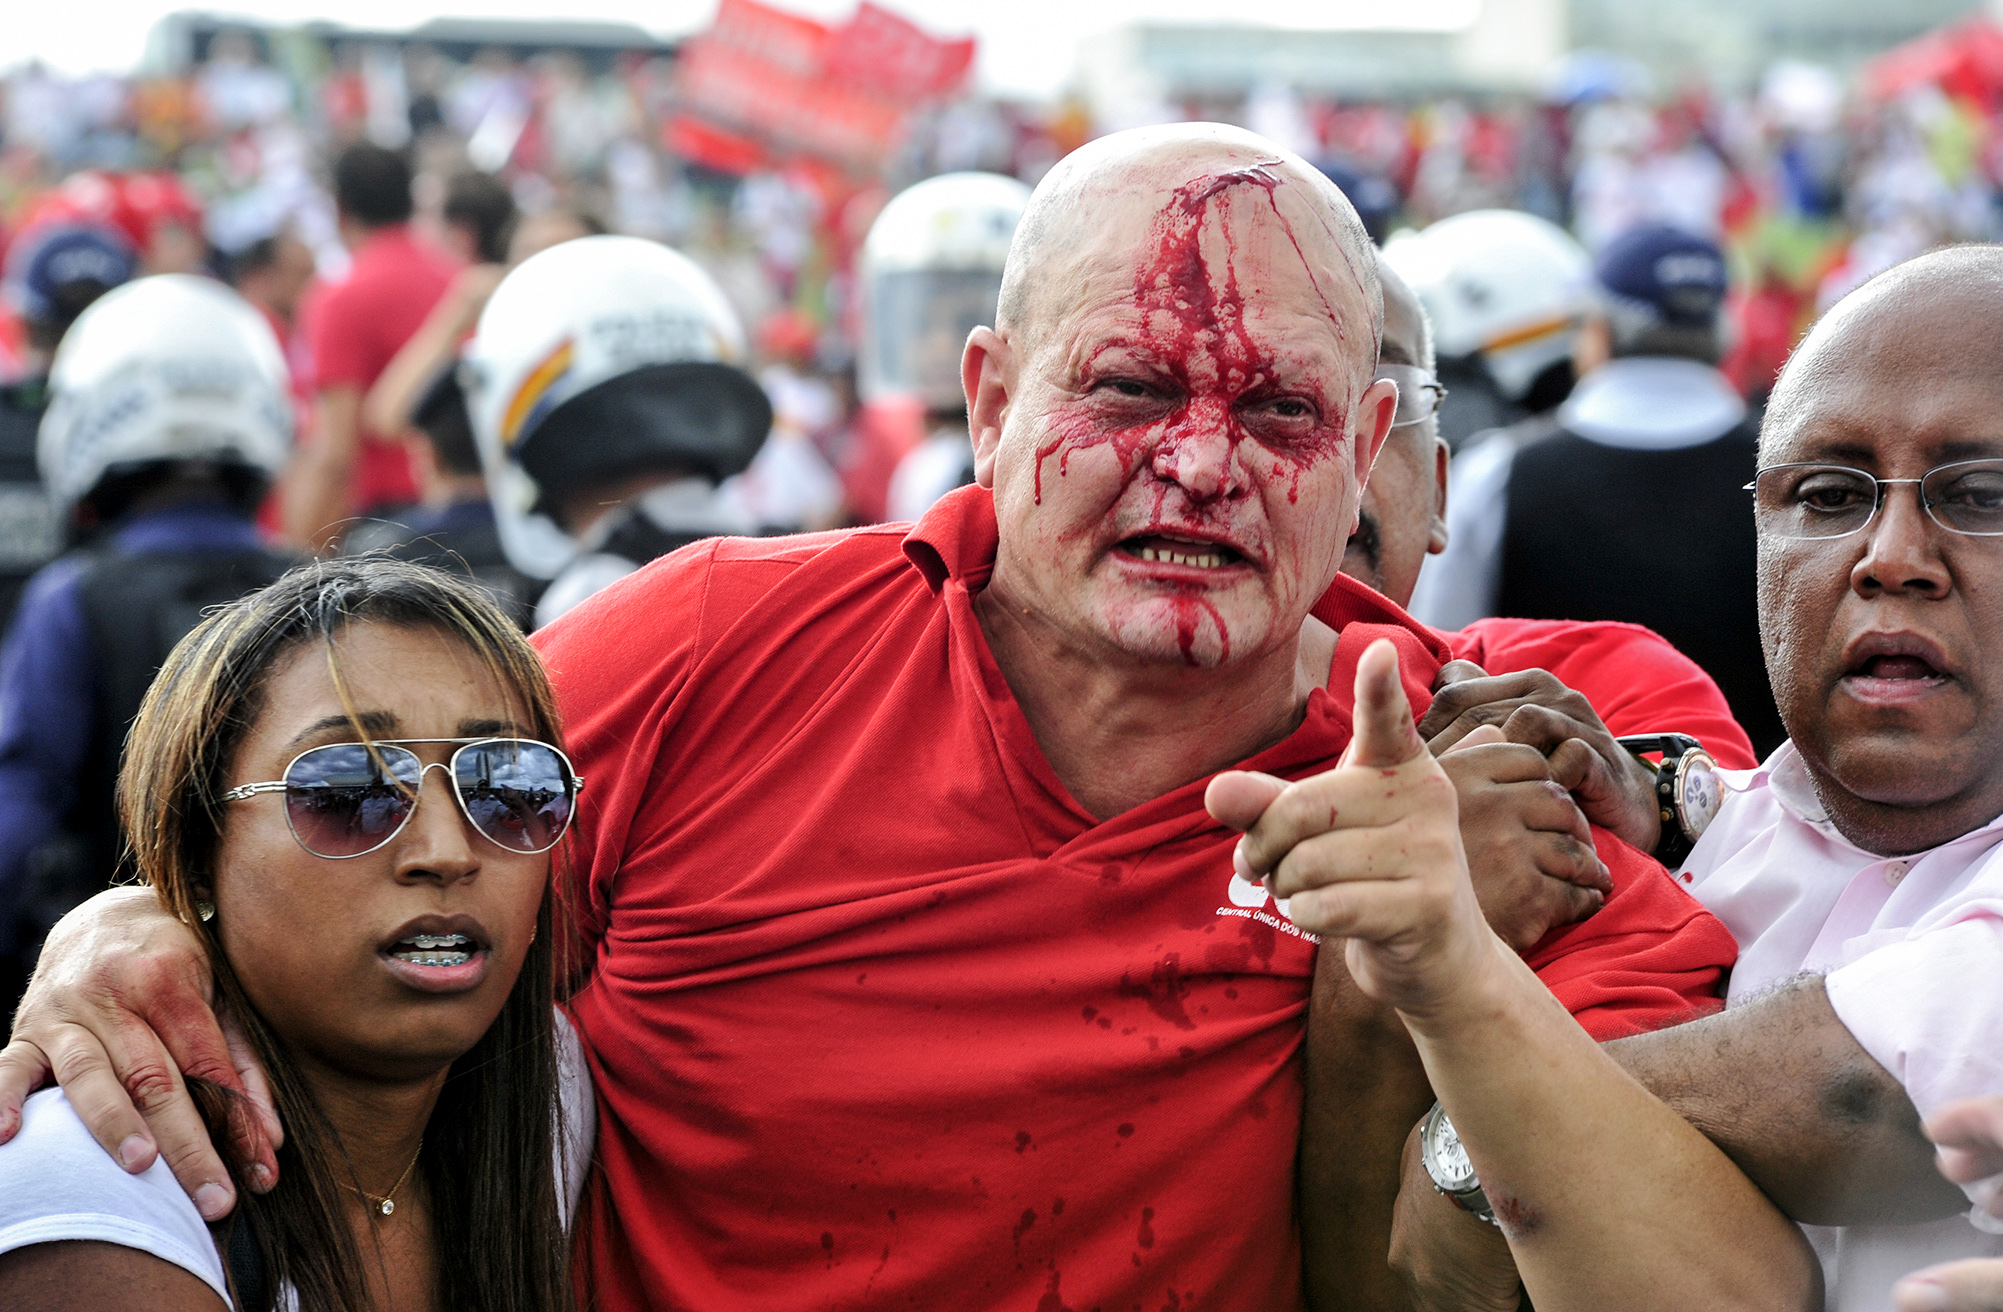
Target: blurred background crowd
{"points": [[1818, 144]]}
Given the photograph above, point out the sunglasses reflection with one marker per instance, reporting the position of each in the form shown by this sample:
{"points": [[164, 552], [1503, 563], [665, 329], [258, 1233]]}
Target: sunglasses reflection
{"points": [[345, 800]]}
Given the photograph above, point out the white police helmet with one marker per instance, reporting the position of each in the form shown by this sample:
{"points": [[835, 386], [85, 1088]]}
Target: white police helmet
{"points": [[169, 368], [1508, 286], [597, 360], [931, 273]]}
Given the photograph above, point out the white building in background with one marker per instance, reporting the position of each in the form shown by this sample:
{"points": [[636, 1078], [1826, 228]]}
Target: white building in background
{"points": [[1362, 52], [1139, 72]]}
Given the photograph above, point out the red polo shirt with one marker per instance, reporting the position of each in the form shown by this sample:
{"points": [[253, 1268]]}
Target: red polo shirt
{"points": [[880, 1016], [357, 329]]}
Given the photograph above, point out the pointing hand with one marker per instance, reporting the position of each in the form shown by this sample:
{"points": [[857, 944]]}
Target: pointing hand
{"points": [[1369, 851]]}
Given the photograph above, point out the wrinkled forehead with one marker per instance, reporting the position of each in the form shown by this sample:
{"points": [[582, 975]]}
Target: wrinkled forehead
{"points": [[1222, 238]]}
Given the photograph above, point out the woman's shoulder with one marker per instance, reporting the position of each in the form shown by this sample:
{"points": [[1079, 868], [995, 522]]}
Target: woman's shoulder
{"points": [[57, 1184]]}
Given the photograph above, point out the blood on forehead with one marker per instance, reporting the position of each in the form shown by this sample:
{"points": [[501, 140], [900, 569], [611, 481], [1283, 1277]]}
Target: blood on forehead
{"points": [[1193, 313], [1174, 285]]}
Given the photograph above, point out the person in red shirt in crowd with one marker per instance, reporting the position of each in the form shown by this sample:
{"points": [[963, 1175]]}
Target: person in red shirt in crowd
{"points": [[919, 973], [1556, 694], [357, 328]]}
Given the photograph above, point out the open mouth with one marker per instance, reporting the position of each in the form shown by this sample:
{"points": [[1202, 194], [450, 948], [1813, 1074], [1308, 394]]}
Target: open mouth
{"points": [[1896, 669], [1195, 553], [436, 950]]}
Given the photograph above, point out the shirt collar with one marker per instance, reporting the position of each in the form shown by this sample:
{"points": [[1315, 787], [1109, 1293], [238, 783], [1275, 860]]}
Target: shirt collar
{"points": [[1652, 403], [1785, 775], [958, 537]]}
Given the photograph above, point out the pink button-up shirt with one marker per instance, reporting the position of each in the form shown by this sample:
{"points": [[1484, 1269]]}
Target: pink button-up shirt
{"points": [[1911, 949]]}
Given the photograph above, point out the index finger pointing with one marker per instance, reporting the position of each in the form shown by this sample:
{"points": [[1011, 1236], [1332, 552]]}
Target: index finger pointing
{"points": [[1382, 731]]}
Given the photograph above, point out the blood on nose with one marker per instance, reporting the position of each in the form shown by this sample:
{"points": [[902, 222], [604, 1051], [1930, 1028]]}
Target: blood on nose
{"points": [[1199, 450]]}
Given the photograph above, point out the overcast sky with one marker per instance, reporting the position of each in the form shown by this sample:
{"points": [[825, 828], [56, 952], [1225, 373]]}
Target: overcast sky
{"points": [[1027, 46]]}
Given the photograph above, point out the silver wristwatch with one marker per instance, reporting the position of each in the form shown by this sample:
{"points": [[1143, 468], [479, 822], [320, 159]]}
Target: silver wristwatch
{"points": [[1446, 1161]]}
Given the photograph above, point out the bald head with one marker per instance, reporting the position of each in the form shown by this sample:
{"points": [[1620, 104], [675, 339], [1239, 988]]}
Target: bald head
{"points": [[1939, 313], [1089, 211]]}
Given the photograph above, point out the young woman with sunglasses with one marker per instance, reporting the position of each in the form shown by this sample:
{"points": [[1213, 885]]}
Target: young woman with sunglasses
{"points": [[349, 787]]}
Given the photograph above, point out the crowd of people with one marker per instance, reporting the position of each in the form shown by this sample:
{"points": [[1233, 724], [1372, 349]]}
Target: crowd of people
{"points": [[1151, 740]]}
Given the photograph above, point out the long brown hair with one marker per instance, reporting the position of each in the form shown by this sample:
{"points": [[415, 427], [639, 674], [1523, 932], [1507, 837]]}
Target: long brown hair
{"points": [[488, 1153]]}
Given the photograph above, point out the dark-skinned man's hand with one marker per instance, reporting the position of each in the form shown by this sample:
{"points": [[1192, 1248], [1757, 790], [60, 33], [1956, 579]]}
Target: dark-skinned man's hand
{"points": [[1532, 707], [1449, 1260], [1529, 848]]}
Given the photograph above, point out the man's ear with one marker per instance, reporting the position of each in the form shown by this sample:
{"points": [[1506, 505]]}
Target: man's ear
{"points": [[985, 370], [1436, 532], [1374, 413]]}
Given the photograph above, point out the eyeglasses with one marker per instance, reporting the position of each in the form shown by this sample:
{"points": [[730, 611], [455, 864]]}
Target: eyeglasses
{"points": [[348, 799], [1419, 393], [1809, 501]]}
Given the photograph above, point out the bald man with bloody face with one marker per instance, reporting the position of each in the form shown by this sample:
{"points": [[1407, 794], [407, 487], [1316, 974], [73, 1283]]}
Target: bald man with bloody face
{"points": [[1175, 414], [919, 973]]}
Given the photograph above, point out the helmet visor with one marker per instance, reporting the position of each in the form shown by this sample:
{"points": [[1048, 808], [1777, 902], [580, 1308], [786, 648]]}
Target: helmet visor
{"points": [[918, 325]]}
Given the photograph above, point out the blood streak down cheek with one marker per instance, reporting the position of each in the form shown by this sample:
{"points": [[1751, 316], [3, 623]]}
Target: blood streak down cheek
{"points": [[1078, 427]]}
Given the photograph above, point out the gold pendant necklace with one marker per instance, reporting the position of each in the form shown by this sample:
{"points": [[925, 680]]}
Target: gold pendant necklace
{"points": [[385, 1203]]}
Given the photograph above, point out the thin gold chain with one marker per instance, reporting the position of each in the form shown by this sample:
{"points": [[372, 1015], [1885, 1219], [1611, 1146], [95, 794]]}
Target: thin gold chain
{"points": [[382, 1202]]}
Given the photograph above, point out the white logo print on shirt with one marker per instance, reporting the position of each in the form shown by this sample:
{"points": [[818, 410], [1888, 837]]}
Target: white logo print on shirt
{"points": [[1249, 901]]}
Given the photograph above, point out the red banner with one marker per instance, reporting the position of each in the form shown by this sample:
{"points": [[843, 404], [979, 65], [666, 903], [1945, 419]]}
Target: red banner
{"points": [[793, 113], [893, 56], [761, 75], [786, 41]]}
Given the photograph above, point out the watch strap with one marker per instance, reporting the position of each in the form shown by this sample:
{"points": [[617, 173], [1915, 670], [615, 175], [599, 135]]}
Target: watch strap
{"points": [[1674, 844]]}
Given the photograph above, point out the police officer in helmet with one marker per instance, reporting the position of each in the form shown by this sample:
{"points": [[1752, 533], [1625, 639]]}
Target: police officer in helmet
{"points": [[1507, 294], [169, 416], [931, 271], [609, 401]]}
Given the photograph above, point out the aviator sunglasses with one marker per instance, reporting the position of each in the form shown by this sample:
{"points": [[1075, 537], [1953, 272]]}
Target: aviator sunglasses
{"points": [[348, 799]]}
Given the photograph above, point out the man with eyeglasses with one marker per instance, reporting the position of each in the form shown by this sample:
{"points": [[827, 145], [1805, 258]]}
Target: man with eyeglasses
{"points": [[1861, 867]]}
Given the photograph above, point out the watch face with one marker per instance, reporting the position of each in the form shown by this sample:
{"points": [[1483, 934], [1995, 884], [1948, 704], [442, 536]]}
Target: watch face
{"points": [[1699, 793], [1446, 1157]]}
